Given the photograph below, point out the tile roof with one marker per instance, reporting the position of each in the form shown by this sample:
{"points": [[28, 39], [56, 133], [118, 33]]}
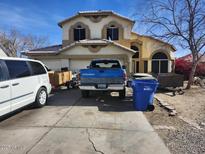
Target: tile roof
{"points": [[96, 42], [49, 48], [189, 58], [97, 12], [55, 49], [153, 38]]}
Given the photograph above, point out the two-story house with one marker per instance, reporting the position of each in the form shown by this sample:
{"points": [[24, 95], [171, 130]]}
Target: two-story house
{"points": [[105, 34]]}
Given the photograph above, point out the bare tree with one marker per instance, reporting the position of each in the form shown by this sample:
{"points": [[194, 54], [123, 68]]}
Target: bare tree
{"points": [[15, 42], [181, 22]]}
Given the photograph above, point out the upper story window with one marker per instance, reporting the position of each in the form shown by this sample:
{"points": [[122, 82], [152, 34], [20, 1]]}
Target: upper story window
{"points": [[136, 55], [79, 33], [113, 33]]}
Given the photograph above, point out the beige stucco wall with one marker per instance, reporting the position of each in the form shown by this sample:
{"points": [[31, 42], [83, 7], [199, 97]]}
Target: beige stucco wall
{"points": [[2, 54], [150, 46], [96, 28]]}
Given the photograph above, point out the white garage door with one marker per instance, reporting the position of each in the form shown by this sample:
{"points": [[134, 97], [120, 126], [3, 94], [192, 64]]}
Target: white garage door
{"points": [[56, 64], [77, 64]]}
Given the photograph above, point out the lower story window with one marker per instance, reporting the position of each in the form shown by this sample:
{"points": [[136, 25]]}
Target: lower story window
{"points": [[160, 66], [135, 66], [160, 63], [145, 66]]}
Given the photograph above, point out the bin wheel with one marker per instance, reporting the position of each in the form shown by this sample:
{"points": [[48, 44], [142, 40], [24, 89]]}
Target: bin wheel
{"points": [[150, 108], [85, 93], [122, 93]]}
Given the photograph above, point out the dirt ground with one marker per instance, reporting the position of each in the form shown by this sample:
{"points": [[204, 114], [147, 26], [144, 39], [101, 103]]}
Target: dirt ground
{"points": [[185, 132], [190, 106]]}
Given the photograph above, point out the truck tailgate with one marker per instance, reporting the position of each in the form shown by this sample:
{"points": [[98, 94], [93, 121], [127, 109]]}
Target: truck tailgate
{"points": [[102, 76]]}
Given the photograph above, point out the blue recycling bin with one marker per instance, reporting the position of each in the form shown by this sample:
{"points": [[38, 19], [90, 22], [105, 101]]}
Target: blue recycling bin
{"points": [[143, 93]]}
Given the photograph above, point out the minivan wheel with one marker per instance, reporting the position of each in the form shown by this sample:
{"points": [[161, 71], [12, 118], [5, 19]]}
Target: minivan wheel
{"points": [[41, 97], [122, 93], [85, 93]]}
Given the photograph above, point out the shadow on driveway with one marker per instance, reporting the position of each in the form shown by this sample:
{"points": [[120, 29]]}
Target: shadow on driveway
{"points": [[104, 101]]}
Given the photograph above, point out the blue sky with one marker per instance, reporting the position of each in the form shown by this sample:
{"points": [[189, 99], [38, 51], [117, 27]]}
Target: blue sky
{"points": [[40, 17]]}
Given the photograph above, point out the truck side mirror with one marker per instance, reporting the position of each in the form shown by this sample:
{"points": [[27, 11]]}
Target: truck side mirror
{"points": [[123, 67]]}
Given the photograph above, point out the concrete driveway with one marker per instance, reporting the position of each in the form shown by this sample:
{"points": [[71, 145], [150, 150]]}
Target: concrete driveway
{"points": [[70, 124]]}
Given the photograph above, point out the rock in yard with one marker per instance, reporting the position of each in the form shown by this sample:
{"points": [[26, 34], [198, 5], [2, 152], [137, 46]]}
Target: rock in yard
{"points": [[173, 113]]}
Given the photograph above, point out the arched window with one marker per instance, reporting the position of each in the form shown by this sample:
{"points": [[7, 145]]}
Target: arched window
{"points": [[159, 63], [136, 55], [113, 33], [79, 33], [159, 55]]}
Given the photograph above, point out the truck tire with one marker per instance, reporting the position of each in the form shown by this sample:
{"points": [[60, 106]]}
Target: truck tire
{"points": [[122, 93], [85, 93]]}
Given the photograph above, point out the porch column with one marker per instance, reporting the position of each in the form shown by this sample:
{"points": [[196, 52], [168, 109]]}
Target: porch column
{"points": [[129, 65], [149, 66], [169, 66]]}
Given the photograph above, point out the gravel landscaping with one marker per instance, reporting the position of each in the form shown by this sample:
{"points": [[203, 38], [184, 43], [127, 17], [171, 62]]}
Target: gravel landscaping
{"points": [[185, 132]]}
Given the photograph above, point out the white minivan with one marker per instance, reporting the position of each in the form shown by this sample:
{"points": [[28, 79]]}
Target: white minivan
{"points": [[22, 82]]}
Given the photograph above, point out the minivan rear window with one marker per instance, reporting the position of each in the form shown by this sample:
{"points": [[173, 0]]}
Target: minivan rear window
{"points": [[2, 76], [37, 68], [17, 69]]}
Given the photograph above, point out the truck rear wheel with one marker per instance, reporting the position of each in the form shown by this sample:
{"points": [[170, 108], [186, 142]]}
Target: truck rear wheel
{"points": [[122, 93], [85, 93]]}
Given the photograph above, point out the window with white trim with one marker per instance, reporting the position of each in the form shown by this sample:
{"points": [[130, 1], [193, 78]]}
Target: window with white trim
{"points": [[79, 33], [113, 33], [160, 63]]}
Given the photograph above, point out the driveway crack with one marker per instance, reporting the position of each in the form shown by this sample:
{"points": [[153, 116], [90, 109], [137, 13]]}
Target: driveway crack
{"points": [[93, 144]]}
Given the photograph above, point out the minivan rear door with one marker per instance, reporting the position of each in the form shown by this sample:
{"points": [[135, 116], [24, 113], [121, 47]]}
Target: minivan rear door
{"points": [[5, 91], [22, 84]]}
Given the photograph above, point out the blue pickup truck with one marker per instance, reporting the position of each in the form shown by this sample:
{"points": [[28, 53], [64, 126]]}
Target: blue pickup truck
{"points": [[103, 75]]}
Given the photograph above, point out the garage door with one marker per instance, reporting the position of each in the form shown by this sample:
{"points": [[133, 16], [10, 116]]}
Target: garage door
{"points": [[56, 64], [76, 65]]}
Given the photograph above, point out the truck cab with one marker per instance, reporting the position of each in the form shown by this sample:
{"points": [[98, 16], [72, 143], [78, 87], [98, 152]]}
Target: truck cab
{"points": [[103, 75]]}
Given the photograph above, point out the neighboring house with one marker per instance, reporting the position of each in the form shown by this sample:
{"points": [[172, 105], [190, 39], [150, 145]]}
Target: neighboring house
{"points": [[183, 65], [2, 51], [105, 34]]}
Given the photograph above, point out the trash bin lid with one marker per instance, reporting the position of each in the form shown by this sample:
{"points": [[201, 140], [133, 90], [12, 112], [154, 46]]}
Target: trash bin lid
{"points": [[140, 76]]}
